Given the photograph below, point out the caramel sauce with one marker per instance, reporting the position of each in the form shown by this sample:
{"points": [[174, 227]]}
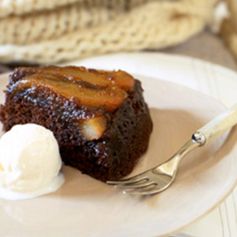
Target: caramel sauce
{"points": [[83, 92], [96, 77]]}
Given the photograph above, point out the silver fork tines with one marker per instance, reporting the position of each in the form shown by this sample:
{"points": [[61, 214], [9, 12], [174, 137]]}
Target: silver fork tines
{"points": [[147, 183], [157, 179]]}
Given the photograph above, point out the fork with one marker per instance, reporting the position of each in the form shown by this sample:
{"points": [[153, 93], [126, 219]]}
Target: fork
{"points": [[159, 178]]}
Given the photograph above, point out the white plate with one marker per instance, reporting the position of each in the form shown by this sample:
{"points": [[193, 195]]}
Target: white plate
{"points": [[86, 207]]}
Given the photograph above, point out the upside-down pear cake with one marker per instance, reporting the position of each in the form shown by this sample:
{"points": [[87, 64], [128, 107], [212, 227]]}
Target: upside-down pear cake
{"points": [[99, 118]]}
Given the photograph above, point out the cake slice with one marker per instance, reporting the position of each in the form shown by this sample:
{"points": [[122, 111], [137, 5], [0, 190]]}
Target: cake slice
{"points": [[99, 118]]}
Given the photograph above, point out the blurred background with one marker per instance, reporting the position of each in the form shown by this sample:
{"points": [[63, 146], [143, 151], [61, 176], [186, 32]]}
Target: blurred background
{"points": [[59, 31]]}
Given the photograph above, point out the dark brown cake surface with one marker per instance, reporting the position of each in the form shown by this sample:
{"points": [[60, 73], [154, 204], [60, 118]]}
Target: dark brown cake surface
{"points": [[99, 118]]}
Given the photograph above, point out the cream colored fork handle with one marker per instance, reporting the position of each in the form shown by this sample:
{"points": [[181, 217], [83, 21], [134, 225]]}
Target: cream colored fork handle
{"points": [[208, 132], [217, 126]]}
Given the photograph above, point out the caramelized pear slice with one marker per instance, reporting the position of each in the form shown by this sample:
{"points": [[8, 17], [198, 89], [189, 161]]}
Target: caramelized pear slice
{"points": [[93, 129], [109, 98], [96, 77]]}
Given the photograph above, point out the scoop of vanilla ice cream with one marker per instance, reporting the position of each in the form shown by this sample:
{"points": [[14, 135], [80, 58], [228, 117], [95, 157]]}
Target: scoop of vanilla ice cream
{"points": [[30, 162]]}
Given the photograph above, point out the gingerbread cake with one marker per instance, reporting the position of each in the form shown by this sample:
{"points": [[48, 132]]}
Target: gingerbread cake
{"points": [[99, 118]]}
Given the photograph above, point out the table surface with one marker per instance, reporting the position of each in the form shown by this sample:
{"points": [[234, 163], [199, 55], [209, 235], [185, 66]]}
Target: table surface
{"points": [[208, 47]]}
